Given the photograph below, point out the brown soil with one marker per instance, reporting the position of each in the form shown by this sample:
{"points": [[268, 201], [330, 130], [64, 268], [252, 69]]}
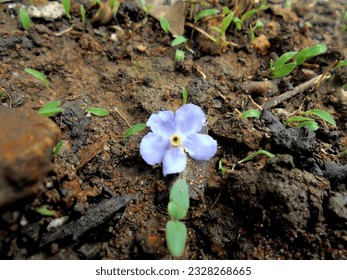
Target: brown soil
{"points": [[113, 205]]}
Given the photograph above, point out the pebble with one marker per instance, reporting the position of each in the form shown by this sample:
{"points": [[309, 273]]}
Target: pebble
{"points": [[26, 144]]}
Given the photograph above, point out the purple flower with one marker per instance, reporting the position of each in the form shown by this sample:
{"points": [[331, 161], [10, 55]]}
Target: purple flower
{"points": [[175, 134]]}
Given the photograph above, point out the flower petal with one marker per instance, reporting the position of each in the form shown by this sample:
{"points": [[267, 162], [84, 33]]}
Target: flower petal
{"points": [[189, 119], [153, 148], [162, 123], [175, 161], [200, 146]]}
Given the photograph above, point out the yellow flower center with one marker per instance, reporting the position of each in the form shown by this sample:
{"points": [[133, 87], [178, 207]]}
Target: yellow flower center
{"points": [[175, 140]]}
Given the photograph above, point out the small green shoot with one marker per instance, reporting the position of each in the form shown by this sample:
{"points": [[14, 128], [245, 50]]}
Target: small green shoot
{"points": [[343, 153], [83, 13], [38, 75], [281, 68], [312, 125], [134, 129], [66, 6], [178, 41], [44, 211], [57, 147], [221, 168], [164, 24], [179, 55], [325, 116], [176, 231], [252, 113], [259, 152], [97, 111], [258, 24], [184, 95], [205, 13], [50, 109], [146, 8], [24, 18], [341, 64]]}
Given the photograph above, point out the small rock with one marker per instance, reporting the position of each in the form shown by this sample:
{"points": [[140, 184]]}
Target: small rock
{"points": [[26, 144], [338, 204], [50, 12], [267, 88]]}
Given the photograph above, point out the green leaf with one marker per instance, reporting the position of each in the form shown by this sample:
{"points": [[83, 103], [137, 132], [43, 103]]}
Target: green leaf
{"points": [[184, 95], [341, 63], [179, 40], [134, 129], [83, 13], [247, 15], [226, 22], [179, 195], [205, 13], [176, 236], [259, 152], [164, 24], [225, 10], [309, 124], [252, 113], [343, 153], [322, 114], [310, 52], [42, 210], [50, 109], [24, 18], [284, 58], [38, 75], [97, 111], [238, 23], [283, 70], [66, 6], [221, 168], [179, 56], [297, 119], [57, 147]]}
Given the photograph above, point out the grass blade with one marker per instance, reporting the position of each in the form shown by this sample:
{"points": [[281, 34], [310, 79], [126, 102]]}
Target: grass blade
{"points": [[134, 129]]}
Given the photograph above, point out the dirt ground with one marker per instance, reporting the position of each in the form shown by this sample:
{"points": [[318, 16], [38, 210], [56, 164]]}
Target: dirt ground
{"points": [[109, 204]]}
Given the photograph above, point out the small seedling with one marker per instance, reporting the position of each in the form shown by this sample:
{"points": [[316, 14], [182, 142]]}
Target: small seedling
{"points": [[184, 95], [164, 24], [97, 111], [179, 55], [281, 68], [252, 113], [38, 75], [178, 41], [146, 8], [221, 168], [50, 109], [44, 211], [57, 147], [83, 13], [205, 13], [343, 153], [341, 64], [253, 155], [176, 231], [258, 24], [309, 122], [24, 18], [66, 6], [134, 129]]}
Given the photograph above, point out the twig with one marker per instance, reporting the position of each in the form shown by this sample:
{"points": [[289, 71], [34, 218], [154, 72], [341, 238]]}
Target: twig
{"points": [[122, 116], [64, 31], [8, 95], [290, 94]]}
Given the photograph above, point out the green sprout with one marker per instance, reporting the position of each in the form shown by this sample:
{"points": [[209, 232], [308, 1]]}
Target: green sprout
{"points": [[66, 6], [309, 122], [50, 109], [38, 75], [252, 113], [24, 18], [146, 8], [221, 168], [57, 147], [184, 95], [97, 111], [205, 13], [134, 129], [343, 153], [179, 55], [281, 68], [83, 13], [176, 231], [178, 41], [255, 154], [258, 24], [114, 5], [248, 15], [164, 24], [44, 211]]}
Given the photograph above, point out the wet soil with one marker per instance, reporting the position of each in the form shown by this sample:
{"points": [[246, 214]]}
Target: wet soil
{"points": [[109, 204]]}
